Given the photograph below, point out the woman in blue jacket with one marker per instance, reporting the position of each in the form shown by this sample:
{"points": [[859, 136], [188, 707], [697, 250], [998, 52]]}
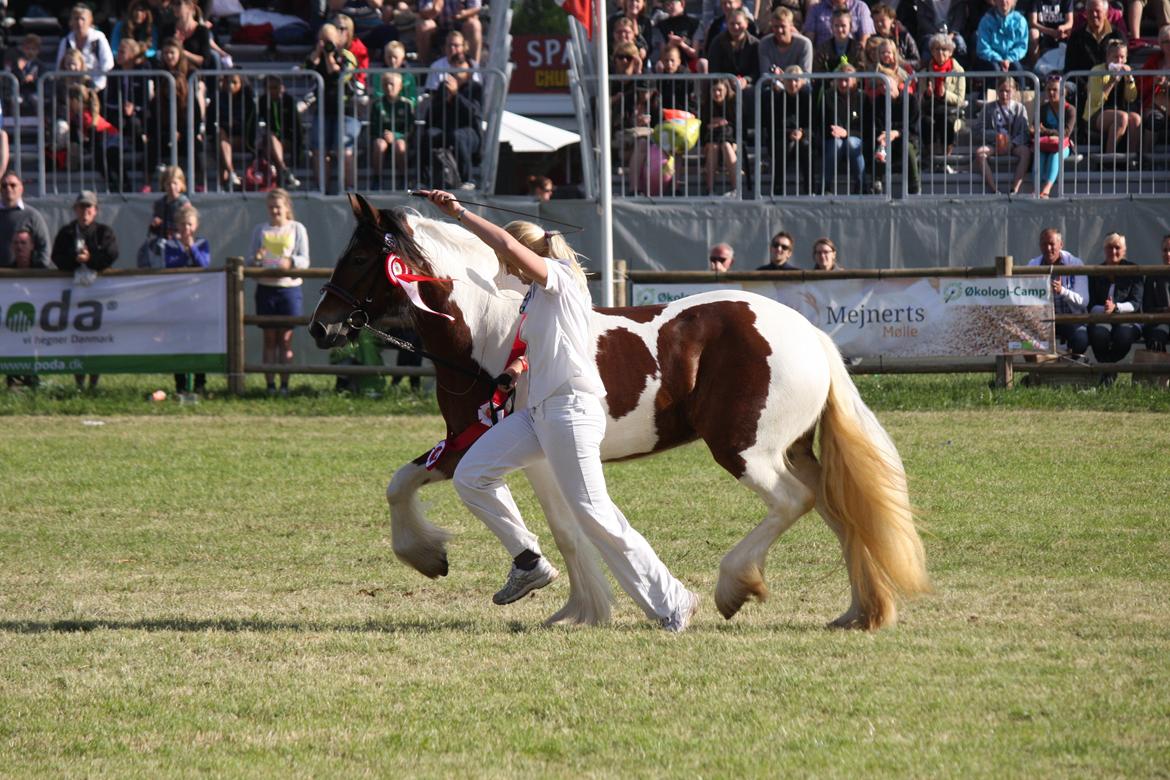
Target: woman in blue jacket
{"points": [[1001, 41]]}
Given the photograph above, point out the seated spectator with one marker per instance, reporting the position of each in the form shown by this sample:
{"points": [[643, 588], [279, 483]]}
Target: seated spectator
{"points": [[1070, 293], [785, 46], [123, 104], [16, 216], [394, 56], [842, 47], [678, 29], [674, 93], [1002, 38], [453, 117], [1002, 130], [841, 123], [818, 23], [279, 129], [825, 255], [163, 12], [1156, 102], [91, 42], [164, 221], [281, 243], [231, 110], [137, 24], [1121, 294], [943, 96], [889, 145], [540, 188], [720, 24], [1053, 146], [632, 102], [886, 25], [439, 18], [454, 56], [625, 30], [1086, 45], [162, 138], [85, 243], [635, 11], [780, 253], [391, 121], [789, 128], [1156, 300], [333, 63], [717, 133], [735, 51], [1050, 23], [1135, 9], [86, 132], [720, 258], [924, 19], [1112, 106], [354, 45], [25, 65], [194, 37]]}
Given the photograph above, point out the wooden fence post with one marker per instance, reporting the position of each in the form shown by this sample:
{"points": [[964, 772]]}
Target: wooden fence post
{"points": [[1004, 372], [620, 294], [235, 325]]}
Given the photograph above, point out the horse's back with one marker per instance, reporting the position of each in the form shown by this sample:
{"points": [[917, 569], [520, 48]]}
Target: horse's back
{"points": [[709, 365]]}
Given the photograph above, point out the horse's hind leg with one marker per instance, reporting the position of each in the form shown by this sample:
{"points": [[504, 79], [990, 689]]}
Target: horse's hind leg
{"points": [[589, 594], [417, 543], [788, 497], [804, 464]]}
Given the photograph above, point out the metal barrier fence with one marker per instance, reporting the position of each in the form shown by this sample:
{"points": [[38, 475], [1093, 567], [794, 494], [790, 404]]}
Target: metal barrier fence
{"points": [[1120, 142], [643, 163], [254, 130], [12, 109], [824, 134], [112, 140]]}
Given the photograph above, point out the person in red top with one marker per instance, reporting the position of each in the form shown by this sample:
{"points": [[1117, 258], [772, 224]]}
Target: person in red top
{"points": [[353, 44]]}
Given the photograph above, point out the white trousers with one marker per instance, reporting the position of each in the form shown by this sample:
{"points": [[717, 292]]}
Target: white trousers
{"points": [[567, 430]]}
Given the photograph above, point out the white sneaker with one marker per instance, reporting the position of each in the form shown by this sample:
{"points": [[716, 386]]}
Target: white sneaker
{"points": [[950, 169], [521, 582], [676, 622]]}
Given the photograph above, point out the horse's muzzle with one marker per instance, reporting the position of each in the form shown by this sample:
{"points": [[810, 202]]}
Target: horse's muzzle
{"points": [[328, 336]]}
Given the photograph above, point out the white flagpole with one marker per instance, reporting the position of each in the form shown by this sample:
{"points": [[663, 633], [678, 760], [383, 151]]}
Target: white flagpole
{"points": [[604, 167]]}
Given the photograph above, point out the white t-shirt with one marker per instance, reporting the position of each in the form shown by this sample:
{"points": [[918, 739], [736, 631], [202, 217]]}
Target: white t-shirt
{"points": [[556, 327]]}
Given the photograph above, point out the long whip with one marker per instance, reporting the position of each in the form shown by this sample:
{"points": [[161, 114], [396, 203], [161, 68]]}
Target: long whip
{"points": [[575, 228]]}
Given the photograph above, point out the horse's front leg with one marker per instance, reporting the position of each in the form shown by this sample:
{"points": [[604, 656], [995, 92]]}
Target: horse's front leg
{"points": [[417, 543], [589, 594]]}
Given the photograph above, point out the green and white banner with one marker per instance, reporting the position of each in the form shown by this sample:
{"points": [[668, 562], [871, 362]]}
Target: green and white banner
{"points": [[929, 317], [119, 324]]}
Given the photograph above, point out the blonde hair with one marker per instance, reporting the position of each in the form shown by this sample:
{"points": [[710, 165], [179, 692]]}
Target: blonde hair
{"points": [[173, 173], [548, 244], [185, 213], [396, 47], [282, 195]]}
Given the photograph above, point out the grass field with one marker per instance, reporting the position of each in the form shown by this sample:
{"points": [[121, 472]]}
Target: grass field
{"points": [[212, 590]]}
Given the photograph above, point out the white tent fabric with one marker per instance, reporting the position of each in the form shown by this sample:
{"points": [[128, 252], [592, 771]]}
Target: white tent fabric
{"points": [[528, 135]]}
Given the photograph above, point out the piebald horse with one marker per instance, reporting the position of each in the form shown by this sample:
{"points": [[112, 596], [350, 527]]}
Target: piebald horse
{"points": [[750, 377]]}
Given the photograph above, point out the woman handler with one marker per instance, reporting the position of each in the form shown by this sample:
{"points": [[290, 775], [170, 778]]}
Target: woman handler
{"points": [[564, 423]]}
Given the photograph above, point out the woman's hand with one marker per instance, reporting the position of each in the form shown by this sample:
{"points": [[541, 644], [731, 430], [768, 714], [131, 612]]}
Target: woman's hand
{"points": [[443, 201]]}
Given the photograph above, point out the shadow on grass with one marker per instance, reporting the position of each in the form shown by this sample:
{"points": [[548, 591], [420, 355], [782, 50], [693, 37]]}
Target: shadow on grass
{"points": [[233, 625]]}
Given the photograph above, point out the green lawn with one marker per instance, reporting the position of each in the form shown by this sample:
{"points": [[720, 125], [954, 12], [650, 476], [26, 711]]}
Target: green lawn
{"points": [[212, 590]]}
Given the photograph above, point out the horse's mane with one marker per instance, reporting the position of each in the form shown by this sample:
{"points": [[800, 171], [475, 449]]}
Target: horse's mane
{"points": [[455, 253]]}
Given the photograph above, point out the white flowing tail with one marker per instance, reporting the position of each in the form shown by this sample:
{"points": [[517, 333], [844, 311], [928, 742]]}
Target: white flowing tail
{"points": [[863, 492]]}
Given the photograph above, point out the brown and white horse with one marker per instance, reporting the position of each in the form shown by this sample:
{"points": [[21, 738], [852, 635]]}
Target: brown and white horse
{"points": [[748, 376]]}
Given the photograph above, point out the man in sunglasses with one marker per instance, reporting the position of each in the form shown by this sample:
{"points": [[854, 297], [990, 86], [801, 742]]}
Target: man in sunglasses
{"points": [[16, 216], [780, 254]]}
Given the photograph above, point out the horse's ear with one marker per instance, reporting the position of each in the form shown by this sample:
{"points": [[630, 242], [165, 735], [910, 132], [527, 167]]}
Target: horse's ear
{"points": [[362, 210]]}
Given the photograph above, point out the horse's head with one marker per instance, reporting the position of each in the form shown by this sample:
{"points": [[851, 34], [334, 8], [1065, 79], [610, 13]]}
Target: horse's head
{"points": [[359, 292]]}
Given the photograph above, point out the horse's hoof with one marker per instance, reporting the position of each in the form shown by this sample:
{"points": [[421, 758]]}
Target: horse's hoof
{"points": [[443, 566], [733, 592]]}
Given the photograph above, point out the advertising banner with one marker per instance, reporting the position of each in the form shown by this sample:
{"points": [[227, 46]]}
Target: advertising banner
{"points": [[119, 324], [928, 317]]}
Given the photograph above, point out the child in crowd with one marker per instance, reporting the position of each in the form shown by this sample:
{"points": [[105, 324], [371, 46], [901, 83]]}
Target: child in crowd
{"points": [[391, 119], [717, 113], [26, 66], [173, 183]]}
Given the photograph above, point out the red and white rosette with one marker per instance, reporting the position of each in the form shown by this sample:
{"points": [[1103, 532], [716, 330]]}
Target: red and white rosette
{"points": [[399, 275], [435, 453]]}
